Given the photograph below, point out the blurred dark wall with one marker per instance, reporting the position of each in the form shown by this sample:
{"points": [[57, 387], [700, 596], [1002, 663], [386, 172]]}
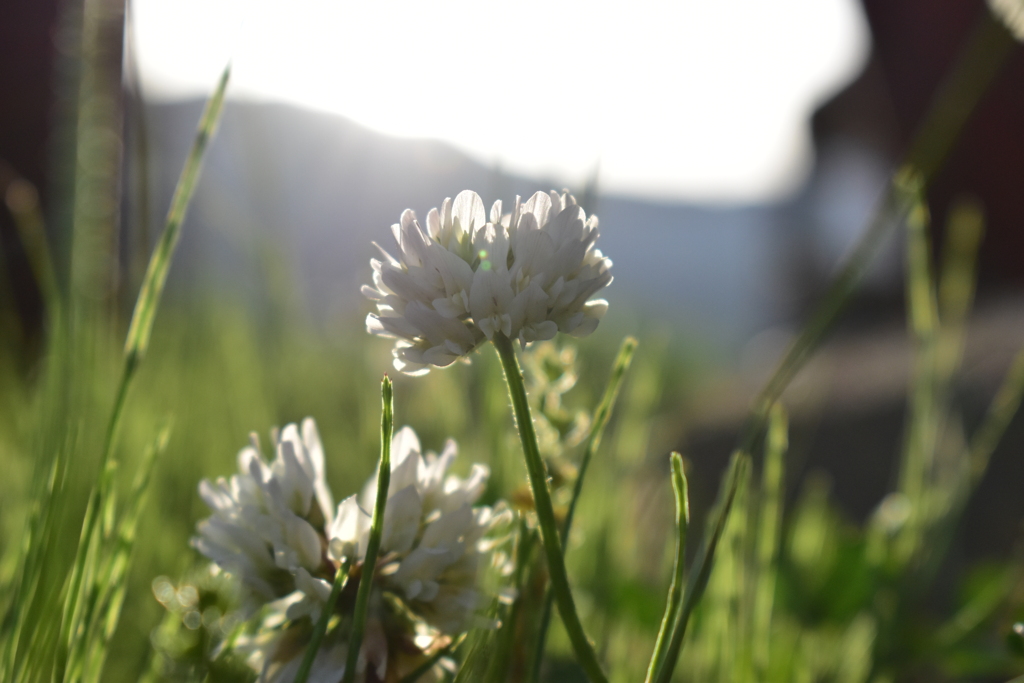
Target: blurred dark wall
{"points": [[915, 42], [27, 54]]}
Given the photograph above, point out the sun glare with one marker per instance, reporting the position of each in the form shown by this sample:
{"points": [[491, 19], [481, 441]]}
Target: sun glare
{"points": [[702, 101]]}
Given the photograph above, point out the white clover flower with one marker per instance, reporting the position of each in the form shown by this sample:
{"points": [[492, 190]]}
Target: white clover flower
{"points": [[273, 529], [527, 275], [265, 527], [432, 540]]}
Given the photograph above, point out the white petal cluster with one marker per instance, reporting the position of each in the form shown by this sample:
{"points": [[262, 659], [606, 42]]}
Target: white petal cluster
{"points": [[527, 275], [273, 528], [432, 541], [264, 527]]}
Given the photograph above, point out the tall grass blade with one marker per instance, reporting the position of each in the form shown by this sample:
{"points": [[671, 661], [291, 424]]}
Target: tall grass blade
{"points": [[156, 272], [135, 346], [601, 416], [675, 591], [1002, 409], [767, 542], [112, 581], [701, 569], [317, 637], [978, 64], [387, 424]]}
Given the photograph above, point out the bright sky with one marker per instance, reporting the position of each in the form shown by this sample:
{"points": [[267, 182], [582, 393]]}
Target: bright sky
{"points": [[693, 99]]}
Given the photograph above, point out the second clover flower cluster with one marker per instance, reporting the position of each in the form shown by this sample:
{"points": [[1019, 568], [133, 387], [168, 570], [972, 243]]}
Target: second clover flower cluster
{"points": [[274, 527], [467, 277]]}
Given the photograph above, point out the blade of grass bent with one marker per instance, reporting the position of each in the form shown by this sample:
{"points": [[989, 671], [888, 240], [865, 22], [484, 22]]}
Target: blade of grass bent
{"points": [[138, 339], [701, 570], [977, 66], [675, 591], [601, 416], [355, 641]]}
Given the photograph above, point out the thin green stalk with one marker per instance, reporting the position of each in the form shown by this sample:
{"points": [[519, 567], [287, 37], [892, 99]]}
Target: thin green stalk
{"points": [[601, 416], [1004, 406], [978, 64], [387, 425], [675, 590], [545, 511], [770, 523], [156, 272], [701, 571], [340, 580], [136, 343], [113, 579]]}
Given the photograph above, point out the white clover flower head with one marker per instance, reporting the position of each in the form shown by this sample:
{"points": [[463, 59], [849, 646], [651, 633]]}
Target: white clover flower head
{"points": [[433, 537], [526, 275], [272, 527], [265, 526]]}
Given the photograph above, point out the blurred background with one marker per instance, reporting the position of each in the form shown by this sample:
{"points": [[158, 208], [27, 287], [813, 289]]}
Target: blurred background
{"points": [[733, 151]]}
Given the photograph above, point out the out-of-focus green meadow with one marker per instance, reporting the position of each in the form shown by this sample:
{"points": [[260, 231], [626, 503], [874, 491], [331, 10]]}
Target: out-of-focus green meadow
{"points": [[220, 370]]}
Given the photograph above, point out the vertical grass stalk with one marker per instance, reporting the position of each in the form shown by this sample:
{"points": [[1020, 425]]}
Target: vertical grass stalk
{"points": [[320, 628], [977, 65], [701, 570], [675, 590], [601, 416], [136, 343], [387, 424], [767, 542], [549, 533]]}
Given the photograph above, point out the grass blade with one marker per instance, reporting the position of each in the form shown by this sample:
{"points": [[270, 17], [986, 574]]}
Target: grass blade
{"points": [[701, 570], [387, 425], [987, 49], [675, 591], [156, 272], [340, 580], [113, 580], [770, 526]]}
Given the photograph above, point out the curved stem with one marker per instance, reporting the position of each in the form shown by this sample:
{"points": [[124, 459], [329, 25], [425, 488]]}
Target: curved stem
{"points": [[545, 511]]}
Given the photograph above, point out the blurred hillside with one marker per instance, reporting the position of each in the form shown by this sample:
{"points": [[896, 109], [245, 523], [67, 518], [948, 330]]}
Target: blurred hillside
{"points": [[316, 190]]}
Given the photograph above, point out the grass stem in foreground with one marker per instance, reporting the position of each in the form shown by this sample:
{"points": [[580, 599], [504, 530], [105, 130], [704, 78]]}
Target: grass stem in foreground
{"points": [[387, 425], [701, 570], [340, 579], [545, 511], [987, 49], [675, 591]]}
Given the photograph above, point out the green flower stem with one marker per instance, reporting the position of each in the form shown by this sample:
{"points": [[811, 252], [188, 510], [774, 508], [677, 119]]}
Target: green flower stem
{"points": [[340, 579], [387, 424], [545, 511], [601, 416], [675, 591]]}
